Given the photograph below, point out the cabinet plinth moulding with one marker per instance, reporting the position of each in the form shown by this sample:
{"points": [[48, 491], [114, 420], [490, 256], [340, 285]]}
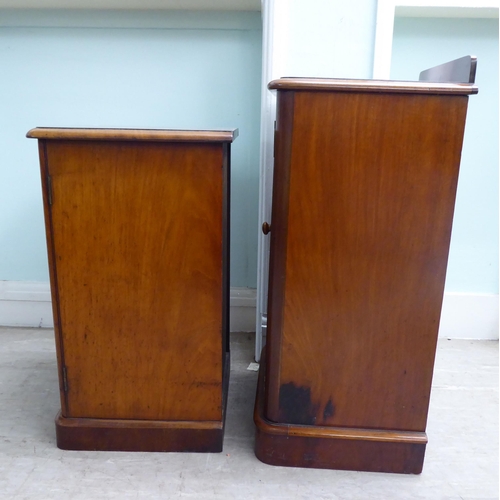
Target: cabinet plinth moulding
{"points": [[137, 225]]}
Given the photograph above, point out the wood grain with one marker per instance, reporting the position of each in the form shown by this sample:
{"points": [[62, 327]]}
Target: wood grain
{"points": [[334, 448], [371, 200], [137, 250], [137, 231], [138, 435], [278, 247], [375, 86], [363, 199], [143, 435], [54, 292], [123, 134]]}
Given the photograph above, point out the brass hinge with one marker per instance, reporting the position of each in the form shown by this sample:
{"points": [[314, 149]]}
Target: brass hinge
{"points": [[274, 140], [49, 189], [65, 379]]}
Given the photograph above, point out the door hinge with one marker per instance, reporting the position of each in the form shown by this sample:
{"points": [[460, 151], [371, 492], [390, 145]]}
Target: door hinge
{"points": [[274, 140], [65, 379], [49, 189]]}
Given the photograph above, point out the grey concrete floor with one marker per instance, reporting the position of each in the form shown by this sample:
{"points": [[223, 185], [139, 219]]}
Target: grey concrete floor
{"points": [[461, 460]]}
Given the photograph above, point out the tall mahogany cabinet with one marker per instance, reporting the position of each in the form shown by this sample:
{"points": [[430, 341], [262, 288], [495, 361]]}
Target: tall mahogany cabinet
{"points": [[365, 177], [137, 235]]}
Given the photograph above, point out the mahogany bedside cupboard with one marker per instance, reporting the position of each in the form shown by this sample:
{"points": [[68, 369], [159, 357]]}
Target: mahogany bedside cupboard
{"points": [[365, 176], [137, 225]]}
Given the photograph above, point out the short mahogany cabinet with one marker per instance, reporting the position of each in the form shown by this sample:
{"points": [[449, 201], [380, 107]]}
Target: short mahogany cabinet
{"points": [[365, 177], [137, 225]]}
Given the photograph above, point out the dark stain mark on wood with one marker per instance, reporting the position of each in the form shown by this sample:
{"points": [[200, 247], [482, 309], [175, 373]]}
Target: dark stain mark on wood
{"points": [[329, 410], [295, 405]]}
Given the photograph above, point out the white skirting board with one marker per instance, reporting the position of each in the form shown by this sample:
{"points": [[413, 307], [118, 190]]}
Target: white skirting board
{"points": [[25, 303], [242, 303], [469, 316], [464, 316]]}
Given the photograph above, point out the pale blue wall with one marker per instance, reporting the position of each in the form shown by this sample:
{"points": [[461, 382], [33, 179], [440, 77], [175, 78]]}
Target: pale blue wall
{"points": [[420, 43], [126, 69]]}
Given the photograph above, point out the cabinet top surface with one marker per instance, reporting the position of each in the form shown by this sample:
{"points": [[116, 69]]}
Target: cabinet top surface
{"points": [[120, 134], [376, 86]]}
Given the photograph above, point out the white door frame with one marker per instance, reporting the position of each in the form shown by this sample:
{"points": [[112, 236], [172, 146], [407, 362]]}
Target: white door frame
{"points": [[274, 43], [387, 10]]}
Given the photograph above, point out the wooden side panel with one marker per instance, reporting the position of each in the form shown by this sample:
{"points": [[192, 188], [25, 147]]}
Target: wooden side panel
{"points": [[137, 235], [47, 195], [334, 447], [371, 197], [226, 254], [277, 265]]}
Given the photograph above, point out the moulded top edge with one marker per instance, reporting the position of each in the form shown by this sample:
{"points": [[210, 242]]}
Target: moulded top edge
{"points": [[376, 86], [122, 134]]}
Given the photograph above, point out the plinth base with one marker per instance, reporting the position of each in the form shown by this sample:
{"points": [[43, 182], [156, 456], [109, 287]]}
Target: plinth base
{"points": [[137, 435], [335, 447], [143, 435]]}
